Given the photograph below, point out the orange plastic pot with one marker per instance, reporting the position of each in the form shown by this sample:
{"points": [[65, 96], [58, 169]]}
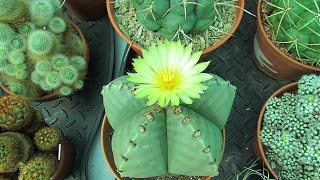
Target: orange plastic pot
{"points": [[86, 10], [66, 160], [54, 96], [274, 62], [108, 154], [206, 52], [257, 144]]}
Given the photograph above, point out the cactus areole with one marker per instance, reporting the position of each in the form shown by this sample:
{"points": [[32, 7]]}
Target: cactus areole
{"points": [[174, 113]]}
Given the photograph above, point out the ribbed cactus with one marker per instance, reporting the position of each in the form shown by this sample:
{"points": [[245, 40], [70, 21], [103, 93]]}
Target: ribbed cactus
{"points": [[40, 166], [152, 141], [9, 155], [172, 16], [15, 113], [296, 25]]}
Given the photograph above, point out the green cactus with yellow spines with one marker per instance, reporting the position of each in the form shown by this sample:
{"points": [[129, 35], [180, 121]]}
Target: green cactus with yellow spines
{"points": [[188, 131], [9, 155], [15, 113], [47, 138], [295, 25], [40, 166]]}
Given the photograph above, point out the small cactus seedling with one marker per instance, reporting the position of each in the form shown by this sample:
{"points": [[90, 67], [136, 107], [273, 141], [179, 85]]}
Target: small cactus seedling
{"points": [[41, 166], [295, 25], [6, 34], [47, 139], [15, 113]]}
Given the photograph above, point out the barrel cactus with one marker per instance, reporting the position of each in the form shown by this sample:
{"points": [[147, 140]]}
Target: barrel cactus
{"points": [[181, 118], [295, 25], [290, 131], [35, 54], [47, 138], [15, 113], [40, 166]]}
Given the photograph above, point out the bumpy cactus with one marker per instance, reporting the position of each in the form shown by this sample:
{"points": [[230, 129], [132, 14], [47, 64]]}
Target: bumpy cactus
{"points": [[40, 52], [174, 16], [9, 155], [296, 24], [15, 113], [291, 131], [47, 139], [41, 166]]}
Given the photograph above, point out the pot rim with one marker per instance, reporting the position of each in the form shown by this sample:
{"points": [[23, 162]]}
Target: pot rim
{"points": [[275, 48], [239, 14], [54, 96], [110, 162], [287, 88]]}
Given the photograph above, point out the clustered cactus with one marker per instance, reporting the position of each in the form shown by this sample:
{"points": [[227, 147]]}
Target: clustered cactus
{"points": [[16, 148], [296, 25], [291, 131], [172, 18], [153, 141], [40, 52]]}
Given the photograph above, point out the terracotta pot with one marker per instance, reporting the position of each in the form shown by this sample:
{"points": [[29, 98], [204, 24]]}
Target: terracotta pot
{"points": [[274, 62], [257, 144], [206, 52], [86, 10], [66, 160], [54, 96], [108, 154]]}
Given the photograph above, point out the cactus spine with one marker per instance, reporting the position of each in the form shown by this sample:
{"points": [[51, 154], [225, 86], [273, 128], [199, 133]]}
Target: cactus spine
{"points": [[47, 139]]}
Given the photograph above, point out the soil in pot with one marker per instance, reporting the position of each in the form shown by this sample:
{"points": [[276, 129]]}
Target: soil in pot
{"points": [[106, 138], [223, 27]]}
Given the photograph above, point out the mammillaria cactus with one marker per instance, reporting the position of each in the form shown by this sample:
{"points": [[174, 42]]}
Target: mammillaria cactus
{"points": [[35, 54], [41, 166], [295, 25], [15, 113], [9, 155], [47, 139], [291, 131], [161, 133]]}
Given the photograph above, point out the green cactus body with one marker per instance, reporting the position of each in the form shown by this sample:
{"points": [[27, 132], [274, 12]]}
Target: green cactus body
{"points": [[9, 155], [41, 166], [15, 113], [18, 88], [74, 44], [201, 145], [172, 16], [57, 25], [296, 24], [47, 139], [26, 147], [190, 136], [124, 109], [18, 42], [143, 136], [13, 11], [6, 34], [40, 42], [26, 28], [41, 12], [65, 91], [216, 103]]}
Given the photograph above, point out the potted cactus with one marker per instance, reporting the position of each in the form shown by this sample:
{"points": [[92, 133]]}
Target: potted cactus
{"points": [[166, 114], [288, 131], [287, 42], [205, 23], [22, 155], [42, 54]]}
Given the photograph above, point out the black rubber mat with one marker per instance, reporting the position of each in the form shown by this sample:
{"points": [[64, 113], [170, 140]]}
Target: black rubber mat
{"points": [[79, 116]]}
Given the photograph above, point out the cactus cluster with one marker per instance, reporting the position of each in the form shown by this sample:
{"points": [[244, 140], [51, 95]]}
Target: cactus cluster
{"points": [[296, 25], [291, 131], [158, 128], [40, 53], [172, 18], [23, 131]]}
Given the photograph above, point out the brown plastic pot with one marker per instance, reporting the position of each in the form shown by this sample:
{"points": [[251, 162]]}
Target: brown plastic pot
{"points": [[108, 154], [66, 160], [206, 52], [86, 10], [54, 96], [256, 143], [274, 62]]}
